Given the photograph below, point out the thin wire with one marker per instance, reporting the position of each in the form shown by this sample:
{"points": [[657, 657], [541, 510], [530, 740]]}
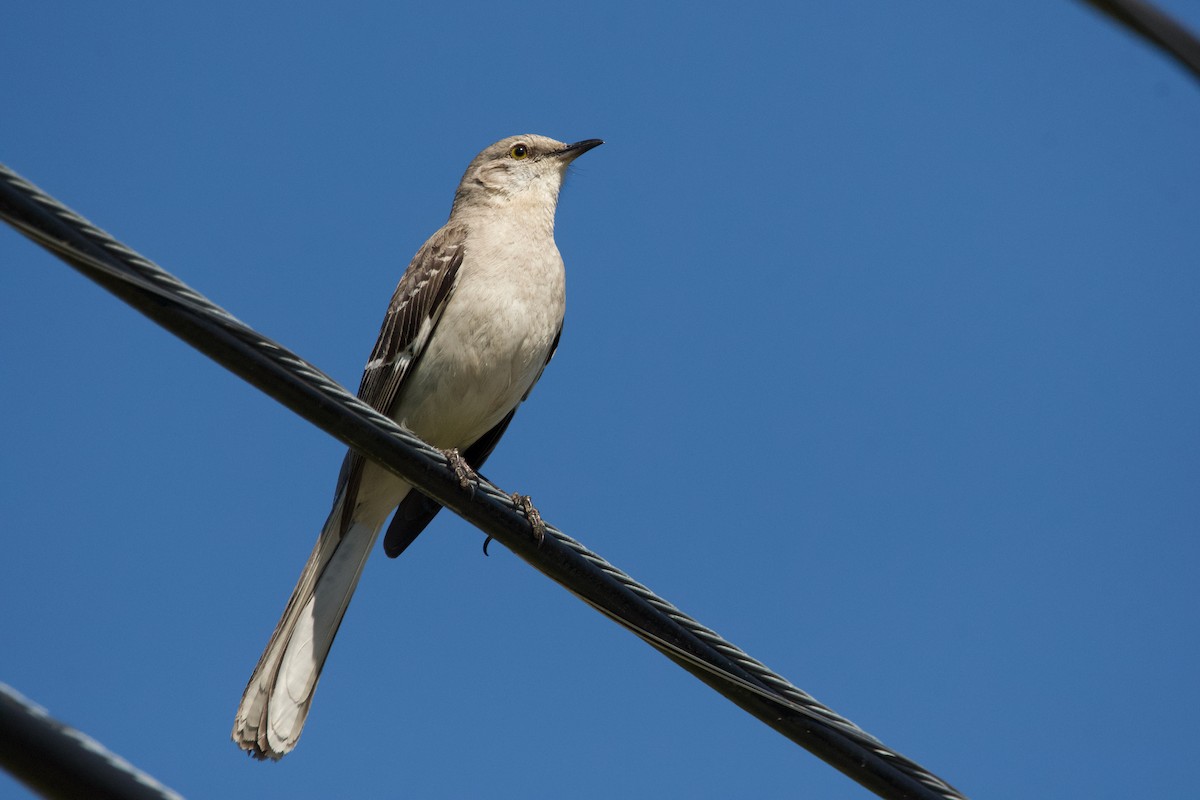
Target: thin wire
{"points": [[315, 396]]}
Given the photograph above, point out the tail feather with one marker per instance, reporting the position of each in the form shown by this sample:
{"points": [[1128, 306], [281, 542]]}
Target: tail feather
{"points": [[277, 699]]}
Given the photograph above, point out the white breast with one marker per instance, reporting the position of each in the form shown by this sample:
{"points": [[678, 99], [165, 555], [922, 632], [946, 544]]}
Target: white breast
{"points": [[492, 340]]}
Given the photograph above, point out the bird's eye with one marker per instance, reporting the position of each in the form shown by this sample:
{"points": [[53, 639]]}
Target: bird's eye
{"points": [[519, 151]]}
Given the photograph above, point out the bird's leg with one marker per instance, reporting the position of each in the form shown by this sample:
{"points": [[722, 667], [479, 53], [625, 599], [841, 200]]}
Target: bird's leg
{"points": [[525, 503], [462, 470]]}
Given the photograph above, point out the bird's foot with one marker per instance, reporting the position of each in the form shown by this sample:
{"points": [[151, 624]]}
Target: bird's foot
{"points": [[525, 503], [462, 470]]}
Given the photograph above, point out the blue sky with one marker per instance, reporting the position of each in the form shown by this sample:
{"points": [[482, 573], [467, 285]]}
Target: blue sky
{"points": [[880, 359]]}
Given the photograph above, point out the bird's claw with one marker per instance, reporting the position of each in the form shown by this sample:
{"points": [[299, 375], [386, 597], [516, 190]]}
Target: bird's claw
{"points": [[462, 470], [525, 503]]}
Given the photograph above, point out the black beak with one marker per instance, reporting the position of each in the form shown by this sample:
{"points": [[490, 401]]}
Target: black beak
{"points": [[573, 151]]}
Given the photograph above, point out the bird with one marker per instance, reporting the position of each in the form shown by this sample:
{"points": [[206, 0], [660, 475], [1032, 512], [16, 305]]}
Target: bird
{"points": [[474, 321]]}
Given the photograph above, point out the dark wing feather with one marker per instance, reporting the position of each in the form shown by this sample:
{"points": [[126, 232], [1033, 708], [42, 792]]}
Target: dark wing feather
{"points": [[412, 316], [416, 510]]}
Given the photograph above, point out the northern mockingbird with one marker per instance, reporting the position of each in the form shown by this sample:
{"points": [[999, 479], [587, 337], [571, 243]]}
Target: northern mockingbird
{"points": [[472, 324]]}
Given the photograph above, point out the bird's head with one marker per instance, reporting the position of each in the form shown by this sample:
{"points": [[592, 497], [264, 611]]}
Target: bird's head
{"points": [[518, 170]]}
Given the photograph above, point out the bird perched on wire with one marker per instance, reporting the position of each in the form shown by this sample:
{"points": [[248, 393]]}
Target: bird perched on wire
{"points": [[472, 324]]}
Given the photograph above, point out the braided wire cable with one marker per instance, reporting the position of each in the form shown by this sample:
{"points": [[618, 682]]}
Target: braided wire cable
{"points": [[306, 390]]}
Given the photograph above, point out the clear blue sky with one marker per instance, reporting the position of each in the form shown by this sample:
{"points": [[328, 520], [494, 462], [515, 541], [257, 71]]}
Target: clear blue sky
{"points": [[882, 358]]}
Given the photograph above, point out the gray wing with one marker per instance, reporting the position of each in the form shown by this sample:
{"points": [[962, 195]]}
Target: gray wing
{"points": [[411, 319]]}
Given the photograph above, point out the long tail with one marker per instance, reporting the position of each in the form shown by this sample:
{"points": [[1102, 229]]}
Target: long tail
{"points": [[277, 699]]}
